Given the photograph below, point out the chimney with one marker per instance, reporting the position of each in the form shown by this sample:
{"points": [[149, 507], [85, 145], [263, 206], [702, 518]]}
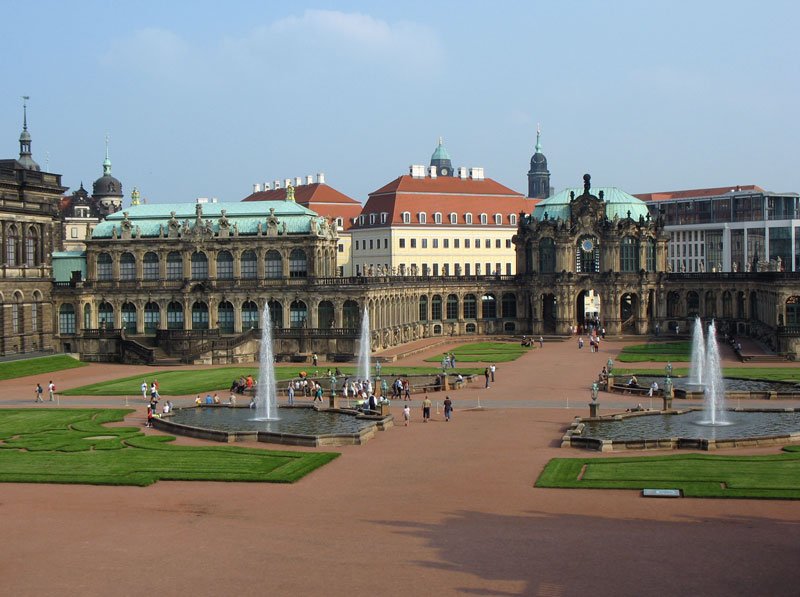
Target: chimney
{"points": [[321, 177], [432, 171], [267, 186], [276, 184], [309, 179], [462, 172], [298, 181], [417, 171], [287, 182], [256, 188], [476, 173]]}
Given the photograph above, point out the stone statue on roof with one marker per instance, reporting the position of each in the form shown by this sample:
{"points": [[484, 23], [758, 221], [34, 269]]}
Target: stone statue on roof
{"points": [[290, 192], [272, 223]]}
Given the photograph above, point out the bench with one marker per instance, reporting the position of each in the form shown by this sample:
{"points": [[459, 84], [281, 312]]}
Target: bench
{"points": [[632, 390]]}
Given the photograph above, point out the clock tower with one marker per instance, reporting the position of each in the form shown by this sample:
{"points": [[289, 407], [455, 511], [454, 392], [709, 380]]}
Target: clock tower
{"points": [[441, 160], [538, 175]]}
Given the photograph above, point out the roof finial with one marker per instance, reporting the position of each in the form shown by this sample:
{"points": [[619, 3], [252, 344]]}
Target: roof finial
{"points": [[538, 134], [25, 99], [441, 140], [107, 161]]}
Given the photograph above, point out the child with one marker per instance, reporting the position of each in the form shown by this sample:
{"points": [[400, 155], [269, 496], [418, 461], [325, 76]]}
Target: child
{"points": [[406, 414]]}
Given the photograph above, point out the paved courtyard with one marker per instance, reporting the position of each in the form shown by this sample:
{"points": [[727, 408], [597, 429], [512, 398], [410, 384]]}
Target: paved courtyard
{"points": [[438, 509]]}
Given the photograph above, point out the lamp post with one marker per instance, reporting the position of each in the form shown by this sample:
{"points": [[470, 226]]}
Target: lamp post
{"points": [[667, 397], [594, 405], [333, 401], [668, 369], [610, 370]]}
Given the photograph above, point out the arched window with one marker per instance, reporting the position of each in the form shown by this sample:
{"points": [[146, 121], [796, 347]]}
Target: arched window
{"points": [[298, 267], [512, 219], [629, 255], [422, 217], [437, 218], [12, 246], [104, 266], [152, 317], [509, 302], [225, 317], [249, 315], [174, 316], [32, 256], [452, 306], [489, 306], [468, 218], [547, 256], [17, 325], [423, 308], [298, 314], [276, 314], [325, 315], [66, 319], [249, 265], [711, 304], [498, 219], [200, 316], [35, 311], [406, 217], [587, 255], [199, 271], [350, 314], [127, 267], [692, 303], [105, 315], [436, 307], [471, 328], [792, 310], [470, 307], [673, 304], [651, 255], [150, 266], [453, 218], [273, 265], [727, 304], [224, 266], [87, 316], [484, 219], [129, 317], [174, 266]]}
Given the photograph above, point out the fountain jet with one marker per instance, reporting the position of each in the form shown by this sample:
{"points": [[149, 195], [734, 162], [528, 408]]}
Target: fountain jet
{"points": [[266, 394], [364, 348]]}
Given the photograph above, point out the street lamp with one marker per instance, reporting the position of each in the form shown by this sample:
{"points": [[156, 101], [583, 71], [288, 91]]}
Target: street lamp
{"points": [[668, 369], [610, 366], [594, 405], [595, 391]]}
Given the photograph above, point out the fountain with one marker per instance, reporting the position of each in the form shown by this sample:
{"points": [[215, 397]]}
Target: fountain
{"points": [[698, 354], [266, 394], [714, 400], [363, 371]]}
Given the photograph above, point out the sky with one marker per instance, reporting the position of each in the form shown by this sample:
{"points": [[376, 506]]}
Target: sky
{"points": [[205, 98]]}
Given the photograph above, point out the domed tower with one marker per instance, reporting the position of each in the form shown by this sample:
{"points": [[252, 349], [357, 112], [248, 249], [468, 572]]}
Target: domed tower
{"points": [[441, 160], [25, 157], [538, 175], [107, 190]]}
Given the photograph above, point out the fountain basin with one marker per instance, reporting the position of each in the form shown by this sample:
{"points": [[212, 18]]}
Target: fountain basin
{"points": [[297, 426], [684, 429], [734, 388]]}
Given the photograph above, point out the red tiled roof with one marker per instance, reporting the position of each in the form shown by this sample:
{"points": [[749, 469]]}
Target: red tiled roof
{"points": [[692, 193], [319, 197], [444, 195]]}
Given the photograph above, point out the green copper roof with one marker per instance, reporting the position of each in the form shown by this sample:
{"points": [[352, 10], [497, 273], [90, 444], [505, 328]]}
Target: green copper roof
{"points": [[153, 218], [618, 203], [66, 262], [440, 153]]}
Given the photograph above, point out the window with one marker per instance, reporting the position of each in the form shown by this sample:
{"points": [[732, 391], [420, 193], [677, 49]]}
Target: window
{"points": [[361, 220], [127, 267], [384, 216], [402, 243], [484, 219], [199, 316], [436, 302], [413, 243], [424, 243], [470, 307], [225, 317], [423, 308], [339, 222], [129, 317], [371, 219], [199, 266], [468, 218], [452, 306], [66, 319], [73, 232], [152, 317], [406, 217], [35, 316], [174, 316], [467, 270], [249, 315], [456, 243], [385, 243], [224, 265], [498, 244], [12, 245], [509, 305], [325, 315], [15, 318], [547, 256], [488, 243], [298, 267], [249, 265], [356, 245], [370, 244], [174, 266], [298, 313], [105, 315], [104, 266], [340, 248], [629, 255], [446, 243], [273, 265], [453, 218], [508, 243], [422, 217], [498, 219], [150, 266], [477, 243], [437, 218], [512, 219], [466, 243], [508, 269], [31, 248], [489, 306], [435, 243]]}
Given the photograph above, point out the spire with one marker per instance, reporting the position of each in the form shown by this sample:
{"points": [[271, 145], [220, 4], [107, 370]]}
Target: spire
{"points": [[538, 134], [25, 99], [107, 161], [25, 157]]}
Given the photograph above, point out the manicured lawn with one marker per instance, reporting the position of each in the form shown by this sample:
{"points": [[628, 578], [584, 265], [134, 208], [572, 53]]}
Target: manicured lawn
{"points": [[697, 475], [74, 446], [656, 351], [182, 382], [788, 374], [484, 352], [24, 367]]}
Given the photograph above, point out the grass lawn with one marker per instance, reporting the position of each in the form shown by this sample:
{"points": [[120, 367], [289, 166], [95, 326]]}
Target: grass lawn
{"points": [[24, 367], [656, 351], [182, 382], [74, 446], [697, 475], [788, 374], [484, 352]]}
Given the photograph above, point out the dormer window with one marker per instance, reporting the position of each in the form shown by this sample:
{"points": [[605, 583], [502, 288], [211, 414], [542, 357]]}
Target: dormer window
{"points": [[484, 219], [454, 218], [437, 218], [371, 219], [384, 216], [422, 217], [361, 220], [406, 217], [339, 222], [498, 219], [468, 218], [512, 219]]}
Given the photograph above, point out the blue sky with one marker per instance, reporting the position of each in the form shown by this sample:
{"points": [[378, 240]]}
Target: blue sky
{"points": [[205, 98]]}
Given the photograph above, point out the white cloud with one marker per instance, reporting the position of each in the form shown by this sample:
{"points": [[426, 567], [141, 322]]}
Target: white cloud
{"points": [[157, 51]]}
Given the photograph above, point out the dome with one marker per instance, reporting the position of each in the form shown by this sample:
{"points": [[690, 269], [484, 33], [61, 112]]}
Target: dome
{"points": [[107, 186], [618, 203], [538, 162], [440, 154]]}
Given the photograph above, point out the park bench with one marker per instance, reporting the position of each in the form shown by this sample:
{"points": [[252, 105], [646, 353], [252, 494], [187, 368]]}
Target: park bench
{"points": [[632, 390]]}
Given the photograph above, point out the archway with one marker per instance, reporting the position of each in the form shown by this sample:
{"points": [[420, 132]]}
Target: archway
{"points": [[549, 312], [587, 310], [628, 310]]}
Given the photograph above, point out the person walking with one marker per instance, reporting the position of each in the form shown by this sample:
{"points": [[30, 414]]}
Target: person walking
{"points": [[541, 342], [51, 390], [426, 409], [407, 414], [406, 390], [144, 390], [486, 375], [448, 409], [38, 391], [580, 342], [290, 393], [492, 369]]}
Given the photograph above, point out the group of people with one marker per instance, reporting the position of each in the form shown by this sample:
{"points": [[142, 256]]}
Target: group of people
{"points": [[488, 373], [449, 360], [426, 410], [401, 387], [39, 390], [594, 343], [243, 384], [150, 391], [529, 341], [152, 410]]}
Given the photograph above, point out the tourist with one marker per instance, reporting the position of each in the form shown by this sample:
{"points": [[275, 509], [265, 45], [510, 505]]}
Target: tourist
{"points": [[492, 369], [144, 390], [459, 381], [407, 414], [633, 382], [445, 362], [153, 391], [216, 398], [406, 390], [486, 375], [372, 404], [290, 393], [653, 389], [318, 393], [197, 400], [51, 389], [232, 399], [426, 409], [453, 360], [603, 374], [541, 341], [38, 391], [249, 382], [314, 359], [167, 407], [580, 342], [448, 409], [149, 422], [603, 333]]}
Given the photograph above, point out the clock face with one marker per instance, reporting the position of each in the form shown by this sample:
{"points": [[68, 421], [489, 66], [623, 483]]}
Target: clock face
{"points": [[444, 171], [587, 245]]}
